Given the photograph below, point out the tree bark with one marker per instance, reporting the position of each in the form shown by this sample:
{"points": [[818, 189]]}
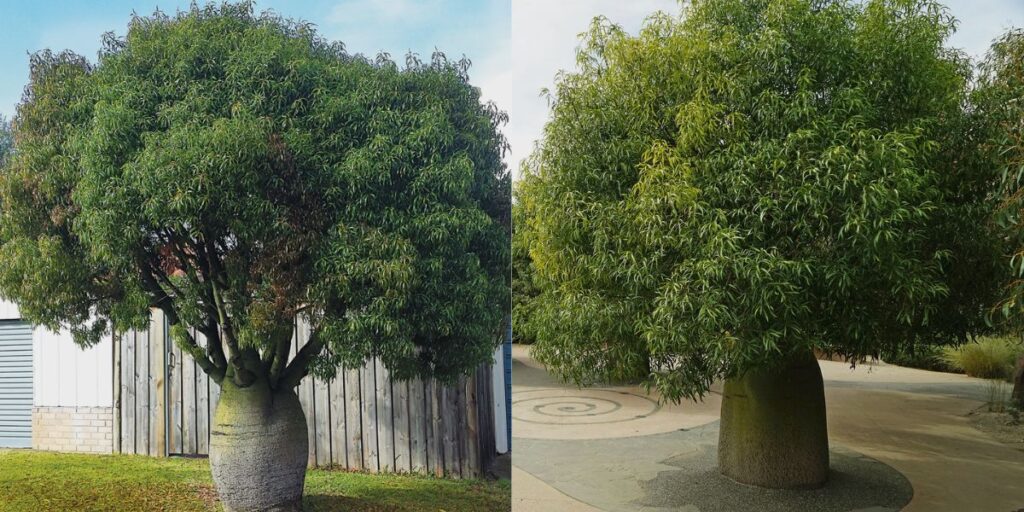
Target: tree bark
{"points": [[1018, 383], [259, 448], [773, 431]]}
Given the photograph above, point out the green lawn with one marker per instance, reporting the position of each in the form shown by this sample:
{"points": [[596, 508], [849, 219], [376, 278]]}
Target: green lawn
{"points": [[44, 481]]}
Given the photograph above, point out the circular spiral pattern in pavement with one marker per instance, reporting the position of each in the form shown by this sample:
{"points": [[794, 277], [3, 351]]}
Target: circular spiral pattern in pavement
{"points": [[589, 407]]}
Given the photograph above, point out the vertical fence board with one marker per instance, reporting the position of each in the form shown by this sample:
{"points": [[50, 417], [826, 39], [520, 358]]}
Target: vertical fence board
{"points": [[213, 389], [459, 407], [436, 435], [489, 449], [128, 393], [305, 392], [174, 444], [117, 416], [471, 453], [385, 428], [142, 371], [400, 413], [339, 437], [189, 421], [323, 422], [371, 462], [202, 384], [157, 391], [417, 427], [354, 418], [448, 419]]}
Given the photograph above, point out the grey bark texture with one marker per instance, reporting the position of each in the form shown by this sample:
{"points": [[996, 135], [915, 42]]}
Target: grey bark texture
{"points": [[773, 430], [259, 449]]}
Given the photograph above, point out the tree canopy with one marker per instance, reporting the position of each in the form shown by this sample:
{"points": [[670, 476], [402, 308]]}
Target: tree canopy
{"points": [[998, 101], [753, 180], [236, 170]]}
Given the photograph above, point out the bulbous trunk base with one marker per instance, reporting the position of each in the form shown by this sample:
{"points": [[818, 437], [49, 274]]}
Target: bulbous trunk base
{"points": [[259, 449], [773, 431]]}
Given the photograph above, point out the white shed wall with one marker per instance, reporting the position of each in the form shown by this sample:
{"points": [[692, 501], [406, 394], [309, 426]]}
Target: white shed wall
{"points": [[68, 376], [65, 375], [9, 311]]}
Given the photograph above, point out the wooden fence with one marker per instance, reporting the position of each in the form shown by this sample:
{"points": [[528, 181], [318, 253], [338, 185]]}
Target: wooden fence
{"points": [[361, 420]]}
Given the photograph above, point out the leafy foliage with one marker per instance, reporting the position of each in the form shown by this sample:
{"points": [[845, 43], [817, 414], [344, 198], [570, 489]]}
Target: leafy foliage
{"points": [[990, 357], [753, 180], [923, 357], [998, 98], [236, 170], [525, 287]]}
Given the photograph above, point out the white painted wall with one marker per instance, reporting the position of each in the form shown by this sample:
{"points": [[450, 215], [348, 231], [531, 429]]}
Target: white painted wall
{"points": [[65, 375], [9, 311], [501, 439]]}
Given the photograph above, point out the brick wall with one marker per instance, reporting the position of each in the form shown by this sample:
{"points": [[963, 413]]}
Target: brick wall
{"points": [[73, 429]]}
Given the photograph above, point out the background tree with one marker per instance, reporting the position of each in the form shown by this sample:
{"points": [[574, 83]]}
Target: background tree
{"points": [[756, 180], [235, 171], [998, 102]]}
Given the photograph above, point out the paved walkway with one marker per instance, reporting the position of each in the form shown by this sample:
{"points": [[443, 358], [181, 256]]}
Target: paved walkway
{"points": [[900, 440]]}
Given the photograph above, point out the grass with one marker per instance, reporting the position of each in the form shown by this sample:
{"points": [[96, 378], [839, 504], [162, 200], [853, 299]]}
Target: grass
{"points": [[998, 395], [33, 481], [924, 357], [988, 358]]}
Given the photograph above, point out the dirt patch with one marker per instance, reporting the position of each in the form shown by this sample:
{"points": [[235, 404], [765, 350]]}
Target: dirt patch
{"points": [[1005, 427], [207, 494]]}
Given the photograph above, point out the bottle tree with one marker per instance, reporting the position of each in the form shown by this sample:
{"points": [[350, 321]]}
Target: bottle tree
{"points": [[999, 101], [236, 170], [747, 184]]}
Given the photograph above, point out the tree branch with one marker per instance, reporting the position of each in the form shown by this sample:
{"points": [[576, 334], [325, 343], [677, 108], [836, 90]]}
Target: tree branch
{"points": [[283, 345], [242, 376], [299, 367], [166, 304], [214, 346]]}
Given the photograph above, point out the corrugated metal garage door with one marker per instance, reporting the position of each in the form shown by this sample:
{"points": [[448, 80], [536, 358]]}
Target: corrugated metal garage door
{"points": [[15, 384]]}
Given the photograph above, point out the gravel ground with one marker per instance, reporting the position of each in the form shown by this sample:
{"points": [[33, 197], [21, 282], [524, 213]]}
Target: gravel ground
{"points": [[1004, 427]]}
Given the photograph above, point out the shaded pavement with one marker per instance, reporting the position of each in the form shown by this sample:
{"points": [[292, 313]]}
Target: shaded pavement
{"points": [[900, 440]]}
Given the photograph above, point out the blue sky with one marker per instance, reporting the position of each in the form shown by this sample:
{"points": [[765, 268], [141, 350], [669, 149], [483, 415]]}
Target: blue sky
{"points": [[517, 46], [477, 28], [544, 41]]}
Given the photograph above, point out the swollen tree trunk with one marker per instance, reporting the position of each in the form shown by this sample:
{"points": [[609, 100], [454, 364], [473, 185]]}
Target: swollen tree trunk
{"points": [[259, 448], [1018, 384], [773, 431]]}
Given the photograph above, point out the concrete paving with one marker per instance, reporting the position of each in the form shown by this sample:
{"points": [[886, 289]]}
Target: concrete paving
{"points": [[900, 440]]}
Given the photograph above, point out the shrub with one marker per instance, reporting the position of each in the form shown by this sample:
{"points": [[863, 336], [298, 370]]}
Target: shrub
{"points": [[923, 357], [987, 358]]}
